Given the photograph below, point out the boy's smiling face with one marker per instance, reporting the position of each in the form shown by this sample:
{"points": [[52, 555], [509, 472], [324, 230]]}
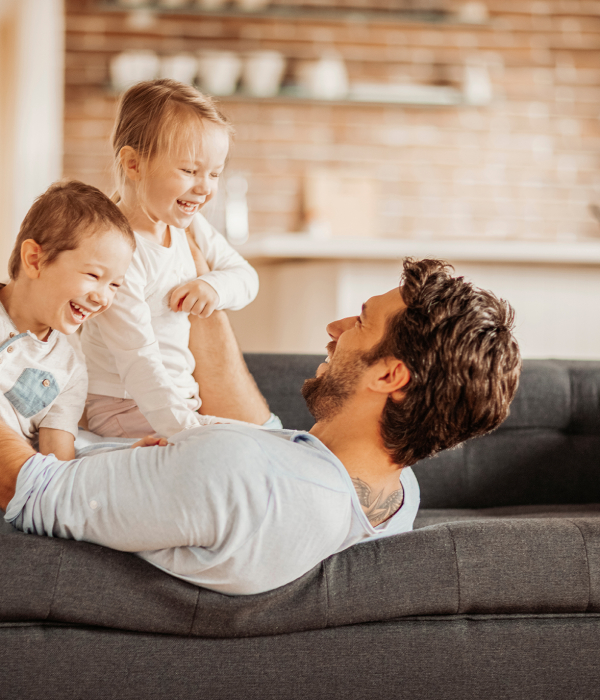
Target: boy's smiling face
{"points": [[78, 284]]}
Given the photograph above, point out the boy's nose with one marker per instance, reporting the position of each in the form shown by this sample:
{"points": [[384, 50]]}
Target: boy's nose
{"points": [[99, 297]]}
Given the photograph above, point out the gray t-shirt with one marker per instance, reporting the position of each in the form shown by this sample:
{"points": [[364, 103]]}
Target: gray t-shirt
{"points": [[43, 384], [232, 508]]}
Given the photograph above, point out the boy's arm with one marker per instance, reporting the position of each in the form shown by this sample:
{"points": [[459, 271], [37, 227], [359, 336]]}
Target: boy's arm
{"points": [[60, 443], [14, 452], [58, 428]]}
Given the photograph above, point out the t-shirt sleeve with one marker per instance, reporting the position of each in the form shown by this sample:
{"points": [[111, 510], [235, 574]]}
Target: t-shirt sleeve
{"points": [[232, 277], [67, 408], [126, 329]]}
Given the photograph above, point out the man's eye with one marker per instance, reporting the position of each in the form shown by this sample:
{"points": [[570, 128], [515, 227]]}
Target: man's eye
{"points": [[92, 275], [188, 172]]}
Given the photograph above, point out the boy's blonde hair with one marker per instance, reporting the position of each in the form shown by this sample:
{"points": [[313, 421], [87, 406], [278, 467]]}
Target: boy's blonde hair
{"points": [[62, 216], [155, 116]]}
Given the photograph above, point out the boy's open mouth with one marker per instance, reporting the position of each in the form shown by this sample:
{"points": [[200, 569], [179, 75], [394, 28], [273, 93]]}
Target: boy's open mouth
{"points": [[79, 312]]}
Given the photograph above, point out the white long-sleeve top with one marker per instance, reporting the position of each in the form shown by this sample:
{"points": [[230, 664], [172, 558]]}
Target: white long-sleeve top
{"points": [[138, 348]]}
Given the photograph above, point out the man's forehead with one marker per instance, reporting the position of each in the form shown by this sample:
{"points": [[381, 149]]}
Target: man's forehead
{"points": [[389, 303]]}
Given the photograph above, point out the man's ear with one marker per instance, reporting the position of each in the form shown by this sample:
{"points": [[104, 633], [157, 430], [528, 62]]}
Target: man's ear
{"points": [[32, 258], [130, 162], [391, 377]]}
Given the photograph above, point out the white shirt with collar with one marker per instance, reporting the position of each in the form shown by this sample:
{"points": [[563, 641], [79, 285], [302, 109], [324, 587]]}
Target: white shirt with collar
{"points": [[43, 384]]}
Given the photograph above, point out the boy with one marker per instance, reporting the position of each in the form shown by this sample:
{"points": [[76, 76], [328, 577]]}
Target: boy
{"points": [[69, 259]]}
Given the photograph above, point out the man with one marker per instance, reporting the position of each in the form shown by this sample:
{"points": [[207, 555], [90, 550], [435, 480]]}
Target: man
{"points": [[241, 510]]}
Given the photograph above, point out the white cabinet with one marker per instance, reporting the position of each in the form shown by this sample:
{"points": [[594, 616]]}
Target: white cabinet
{"points": [[554, 288]]}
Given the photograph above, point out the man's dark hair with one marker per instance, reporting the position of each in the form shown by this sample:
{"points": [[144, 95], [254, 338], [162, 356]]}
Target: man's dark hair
{"points": [[464, 362], [62, 216]]}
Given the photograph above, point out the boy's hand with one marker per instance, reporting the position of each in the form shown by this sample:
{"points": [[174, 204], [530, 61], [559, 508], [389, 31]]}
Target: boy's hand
{"points": [[150, 441], [196, 297]]}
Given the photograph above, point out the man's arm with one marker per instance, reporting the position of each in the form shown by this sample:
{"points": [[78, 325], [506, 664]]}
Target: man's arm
{"points": [[132, 500], [14, 452]]}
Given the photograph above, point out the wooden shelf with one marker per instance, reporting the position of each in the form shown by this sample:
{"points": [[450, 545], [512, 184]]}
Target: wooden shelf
{"points": [[310, 14], [302, 246], [451, 97]]}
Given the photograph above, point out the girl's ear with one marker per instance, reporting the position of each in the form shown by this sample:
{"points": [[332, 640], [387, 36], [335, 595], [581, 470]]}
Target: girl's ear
{"points": [[32, 258], [130, 162]]}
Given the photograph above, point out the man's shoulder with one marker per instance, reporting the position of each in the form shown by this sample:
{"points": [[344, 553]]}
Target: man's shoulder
{"points": [[249, 448], [232, 436]]}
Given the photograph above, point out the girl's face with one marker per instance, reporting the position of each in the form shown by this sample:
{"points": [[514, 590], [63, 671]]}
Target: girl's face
{"points": [[174, 187]]}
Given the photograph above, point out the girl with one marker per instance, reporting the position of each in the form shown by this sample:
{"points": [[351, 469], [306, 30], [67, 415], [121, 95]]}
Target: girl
{"points": [[170, 145]]}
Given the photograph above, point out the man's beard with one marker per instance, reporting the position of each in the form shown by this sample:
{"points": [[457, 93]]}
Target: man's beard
{"points": [[326, 395]]}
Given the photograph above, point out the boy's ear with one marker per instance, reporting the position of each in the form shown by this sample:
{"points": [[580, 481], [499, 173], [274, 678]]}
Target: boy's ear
{"points": [[32, 258], [130, 163], [390, 377]]}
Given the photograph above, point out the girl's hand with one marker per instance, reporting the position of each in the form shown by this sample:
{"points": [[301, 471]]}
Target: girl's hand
{"points": [[150, 441], [196, 297]]}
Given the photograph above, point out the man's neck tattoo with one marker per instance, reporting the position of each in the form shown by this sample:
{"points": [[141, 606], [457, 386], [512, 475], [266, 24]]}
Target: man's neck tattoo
{"points": [[377, 509]]}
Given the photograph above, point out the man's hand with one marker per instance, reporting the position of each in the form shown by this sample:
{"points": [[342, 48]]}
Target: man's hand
{"points": [[196, 297], [150, 441]]}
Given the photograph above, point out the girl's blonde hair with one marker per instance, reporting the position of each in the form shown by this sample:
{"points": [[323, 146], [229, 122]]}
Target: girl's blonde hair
{"points": [[156, 116]]}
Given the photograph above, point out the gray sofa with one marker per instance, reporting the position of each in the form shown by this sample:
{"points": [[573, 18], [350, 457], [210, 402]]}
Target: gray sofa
{"points": [[495, 595]]}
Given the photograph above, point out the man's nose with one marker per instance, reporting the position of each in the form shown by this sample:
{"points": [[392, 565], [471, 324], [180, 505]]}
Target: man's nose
{"points": [[336, 328]]}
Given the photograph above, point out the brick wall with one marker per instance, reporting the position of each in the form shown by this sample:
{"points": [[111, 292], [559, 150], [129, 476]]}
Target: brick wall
{"points": [[526, 166]]}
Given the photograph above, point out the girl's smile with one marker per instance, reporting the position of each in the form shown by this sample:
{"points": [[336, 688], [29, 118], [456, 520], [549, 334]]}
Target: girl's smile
{"points": [[170, 189]]}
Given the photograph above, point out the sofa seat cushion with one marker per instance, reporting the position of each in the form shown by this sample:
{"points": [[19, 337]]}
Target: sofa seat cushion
{"points": [[495, 561]]}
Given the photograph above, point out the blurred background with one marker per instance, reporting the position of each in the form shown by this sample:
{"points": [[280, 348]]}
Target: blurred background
{"points": [[367, 130]]}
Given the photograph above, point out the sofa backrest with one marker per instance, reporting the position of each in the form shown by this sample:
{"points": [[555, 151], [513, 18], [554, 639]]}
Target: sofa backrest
{"points": [[547, 451]]}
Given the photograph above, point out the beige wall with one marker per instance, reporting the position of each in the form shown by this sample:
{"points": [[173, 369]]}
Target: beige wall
{"points": [[31, 108]]}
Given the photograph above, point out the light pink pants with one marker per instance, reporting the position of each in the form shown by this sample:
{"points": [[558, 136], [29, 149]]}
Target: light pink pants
{"points": [[112, 417]]}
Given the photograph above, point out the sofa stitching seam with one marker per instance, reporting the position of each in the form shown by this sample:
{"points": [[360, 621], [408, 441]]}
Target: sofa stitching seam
{"points": [[326, 594], [587, 562], [58, 568], [457, 569], [571, 401], [189, 634]]}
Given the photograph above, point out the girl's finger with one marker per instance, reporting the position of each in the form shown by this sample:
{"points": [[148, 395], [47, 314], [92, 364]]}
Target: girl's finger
{"points": [[176, 297], [207, 310], [188, 303]]}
